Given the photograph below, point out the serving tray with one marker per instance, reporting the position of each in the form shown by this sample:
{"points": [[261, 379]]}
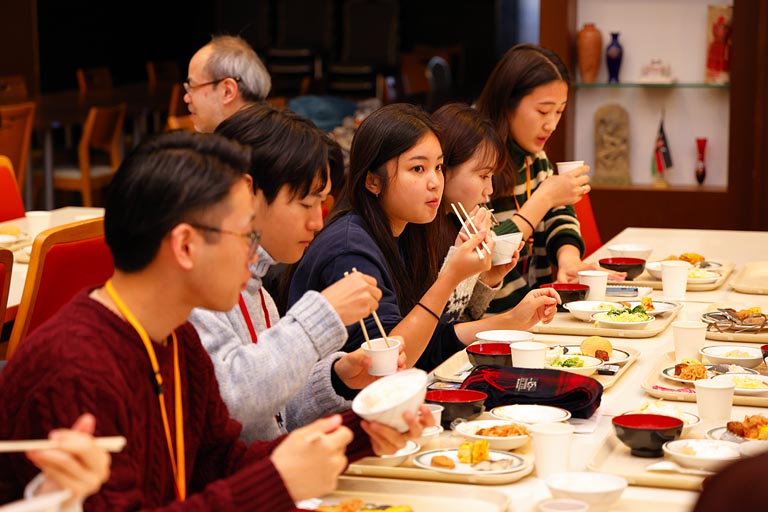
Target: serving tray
{"points": [[566, 323], [421, 496], [457, 367], [753, 278], [656, 385], [646, 279]]}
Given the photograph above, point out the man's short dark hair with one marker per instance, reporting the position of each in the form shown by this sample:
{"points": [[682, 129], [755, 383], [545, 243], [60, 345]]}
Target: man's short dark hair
{"points": [[166, 180]]}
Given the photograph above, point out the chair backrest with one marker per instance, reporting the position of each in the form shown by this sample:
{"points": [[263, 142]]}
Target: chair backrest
{"points": [[589, 231], [370, 33], [180, 123], [162, 71], [64, 260], [94, 79], [11, 205], [16, 122], [178, 112], [6, 267], [13, 88], [440, 82], [102, 131]]}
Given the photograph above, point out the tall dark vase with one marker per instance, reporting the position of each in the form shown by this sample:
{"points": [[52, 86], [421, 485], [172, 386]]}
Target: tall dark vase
{"points": [[613, 54]]}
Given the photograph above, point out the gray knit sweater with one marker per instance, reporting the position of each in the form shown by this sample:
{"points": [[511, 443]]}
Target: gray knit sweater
{"points": [[287, 374]]}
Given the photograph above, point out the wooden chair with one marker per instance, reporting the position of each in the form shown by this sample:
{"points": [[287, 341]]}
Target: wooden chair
{"points": [[13, 89], [16, 122], [64, 260], [162, 71], [178, 113], [589, 231], [101, 133], [11, 205], [94, 79]]}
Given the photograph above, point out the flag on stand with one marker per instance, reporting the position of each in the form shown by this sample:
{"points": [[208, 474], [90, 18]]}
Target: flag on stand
{"points": [[662, 158]]}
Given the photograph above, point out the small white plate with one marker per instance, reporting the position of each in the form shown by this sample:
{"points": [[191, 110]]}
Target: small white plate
{"points": [[531, 414], [618, 356], [603, 321], [748, 378], [717, 354], [659, 307], [591, 364], [8, 239], [584, 309], [423, 460], [710, 277], [669, 373]]}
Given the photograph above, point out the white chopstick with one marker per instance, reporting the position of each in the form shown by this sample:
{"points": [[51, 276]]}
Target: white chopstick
{"points": [[378, 323], [472, 223], [111, 443], [463, 224], [362, 324]]}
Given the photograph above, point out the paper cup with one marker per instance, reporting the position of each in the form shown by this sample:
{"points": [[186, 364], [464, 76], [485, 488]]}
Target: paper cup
{"points": [[505, 248], [551, 447], [37, 222], [383, 357], [597, 280], [689, 339], [674, 278], [714, 398], [528, 354], [437, 412], [566, 167]]}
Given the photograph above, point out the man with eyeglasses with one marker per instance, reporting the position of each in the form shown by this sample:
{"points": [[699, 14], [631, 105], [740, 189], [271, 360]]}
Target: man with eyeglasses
{"points": [[179, 223], [224, 76]]}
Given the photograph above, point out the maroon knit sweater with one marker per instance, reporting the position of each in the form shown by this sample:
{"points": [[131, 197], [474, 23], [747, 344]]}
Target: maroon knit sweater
{"points": [[86, 359]]}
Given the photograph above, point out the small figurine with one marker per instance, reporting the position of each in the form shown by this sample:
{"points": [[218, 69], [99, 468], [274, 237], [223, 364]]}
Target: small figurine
{"points": [[657, 73]]}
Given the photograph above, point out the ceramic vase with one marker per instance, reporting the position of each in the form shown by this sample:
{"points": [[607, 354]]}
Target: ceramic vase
{"points": [[613, 54], [701, 167], [589, 48]]}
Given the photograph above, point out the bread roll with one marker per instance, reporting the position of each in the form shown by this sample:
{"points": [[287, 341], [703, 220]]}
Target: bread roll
{"points": [[594, 343]]}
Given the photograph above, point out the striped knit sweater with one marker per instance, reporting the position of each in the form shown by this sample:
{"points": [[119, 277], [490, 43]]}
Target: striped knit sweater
{"points": [[559, 227]]}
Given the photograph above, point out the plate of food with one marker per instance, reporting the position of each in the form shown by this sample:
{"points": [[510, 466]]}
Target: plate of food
{"points": [[584, 309], [500, 434], [702, 276], [582, 365], [624, 318], [470, 458], [746, 384], [729, 319], [689, 371], [668, 409], [742, 355], [615, 355], [753, 428], [654, 307], [531, 414]]}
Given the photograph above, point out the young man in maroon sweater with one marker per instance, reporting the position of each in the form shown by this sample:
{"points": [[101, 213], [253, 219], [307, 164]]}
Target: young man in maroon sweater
{"points": [[179, 225]]}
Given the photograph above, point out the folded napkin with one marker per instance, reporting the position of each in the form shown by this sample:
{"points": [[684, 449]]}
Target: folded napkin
{"points": [[506, 385]]}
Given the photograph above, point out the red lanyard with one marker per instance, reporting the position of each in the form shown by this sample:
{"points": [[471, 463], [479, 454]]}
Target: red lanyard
{"points": [[248, 322]]}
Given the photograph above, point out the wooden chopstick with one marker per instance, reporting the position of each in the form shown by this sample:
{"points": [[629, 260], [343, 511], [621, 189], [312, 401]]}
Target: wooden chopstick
{"points": [[463, 224], [378, 323], [110, 443], [472, 223], [362, 324]]}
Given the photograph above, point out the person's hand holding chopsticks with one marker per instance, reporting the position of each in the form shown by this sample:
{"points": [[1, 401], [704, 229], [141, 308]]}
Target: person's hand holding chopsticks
{"points": [[76, 464], [353, 297]]}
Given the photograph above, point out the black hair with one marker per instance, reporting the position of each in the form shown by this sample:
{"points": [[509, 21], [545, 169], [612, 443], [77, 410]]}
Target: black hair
{"points": [[166, 180], [286, 149]]}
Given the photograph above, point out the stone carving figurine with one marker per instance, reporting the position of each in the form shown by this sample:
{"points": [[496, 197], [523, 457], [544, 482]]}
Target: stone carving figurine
{"points": [[611, 146]]}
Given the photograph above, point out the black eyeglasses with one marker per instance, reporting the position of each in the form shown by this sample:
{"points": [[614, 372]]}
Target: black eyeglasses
{"points": [[189, 87], [253, 237]]}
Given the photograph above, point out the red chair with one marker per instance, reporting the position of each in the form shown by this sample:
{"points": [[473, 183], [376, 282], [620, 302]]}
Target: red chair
{"points": [[11, 205], [64, 260], [589, 231], [6, 266]]}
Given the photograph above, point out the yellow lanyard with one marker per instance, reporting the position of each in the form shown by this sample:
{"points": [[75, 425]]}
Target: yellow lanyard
{"points": [[177, 461]]}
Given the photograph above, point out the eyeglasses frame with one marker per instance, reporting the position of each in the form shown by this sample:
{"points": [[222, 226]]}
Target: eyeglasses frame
{"points": [[253, 237]]}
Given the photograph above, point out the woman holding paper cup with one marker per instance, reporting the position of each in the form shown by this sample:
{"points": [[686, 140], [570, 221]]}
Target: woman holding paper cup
{"points": [[525, 96], [384, 227]]}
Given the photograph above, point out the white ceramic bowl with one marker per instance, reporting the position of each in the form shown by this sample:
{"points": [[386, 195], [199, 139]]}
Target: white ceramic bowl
{"points": [[386, 399], [591, 364], [603, 321], [653, 268], [47, 502], [600, 490], [641, 251], [505, 247], [504, 336], [530, 414], [690, 420], [400, 455], [706, 454], [719, 354], [468, 429], [584, 309]]}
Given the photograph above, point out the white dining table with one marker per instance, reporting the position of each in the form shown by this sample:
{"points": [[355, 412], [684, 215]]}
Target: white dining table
{"points": [[59, 216], [739, 247]]}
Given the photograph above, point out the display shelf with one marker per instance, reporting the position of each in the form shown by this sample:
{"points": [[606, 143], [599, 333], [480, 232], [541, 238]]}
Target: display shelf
{"points": [[650, 85], [669, 188]]}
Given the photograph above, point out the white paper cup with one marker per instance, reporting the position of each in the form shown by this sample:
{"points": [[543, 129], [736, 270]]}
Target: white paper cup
{"points": [[551, 447], [714, 398], [383, 357], [597, 280], [437, 412], [566, 167], [674, 277], [37, 222], [528, 354], [689, 339], [505, 248]]}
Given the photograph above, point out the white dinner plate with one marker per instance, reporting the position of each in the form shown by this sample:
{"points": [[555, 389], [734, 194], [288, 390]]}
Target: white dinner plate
{"points": [[711, 277], [659, 307], [423, 460], [604, 321], [669, 373], [745, 390], [618, 356], [531, 413], [8, 239]]}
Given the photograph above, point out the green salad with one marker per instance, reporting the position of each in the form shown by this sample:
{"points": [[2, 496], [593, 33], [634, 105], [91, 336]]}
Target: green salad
{"points": [[571, 362], [636, 314]]}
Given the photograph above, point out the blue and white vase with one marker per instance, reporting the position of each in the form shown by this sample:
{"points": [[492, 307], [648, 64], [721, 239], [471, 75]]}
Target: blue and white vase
{"points": [[613, 54]]}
